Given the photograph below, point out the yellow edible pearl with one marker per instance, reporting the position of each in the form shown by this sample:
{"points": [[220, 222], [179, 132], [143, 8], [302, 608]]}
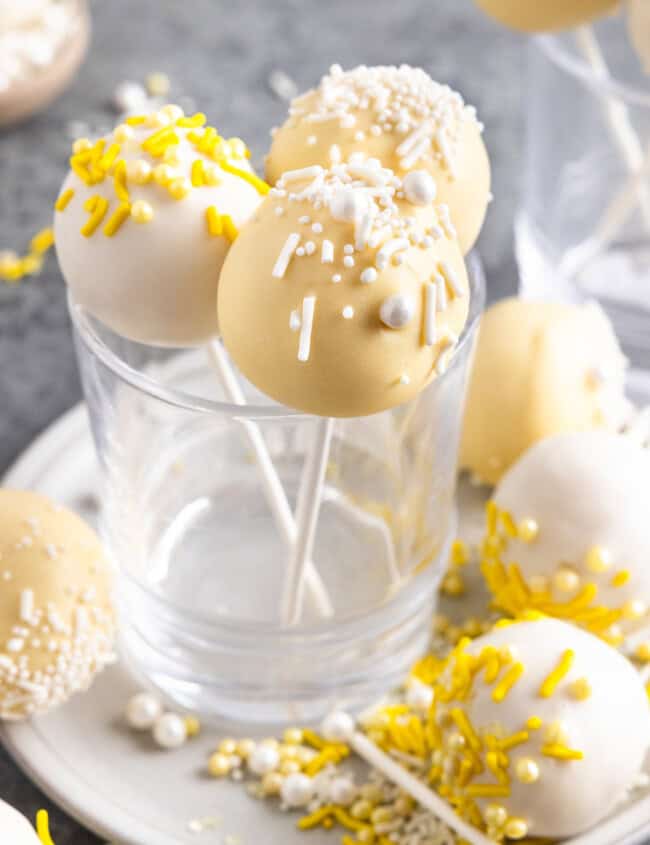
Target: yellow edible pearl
{"points": [[643, 652], [192, 726], [139, 171], [211, 175], [496, 815], [141, 211], [516, 829], [361, 810], [173, 112], [566, 580], [580, 689], [634, 609], [538, 583], [293, 736], [81, 145], [180, 188], [598, 559], [245, 748], [163, 174], [272, 783], [528, 530], [527, 770], [218, 765], [228, 746], [123, 133]]}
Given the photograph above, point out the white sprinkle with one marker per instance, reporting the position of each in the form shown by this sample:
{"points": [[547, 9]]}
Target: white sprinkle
{"points": [[284, 258], [348, 249], [311, 141], [327, 253], [304, 220], [424, 130], [27, 605], [294, 321], [430, 290], [451, 278], [336, 278], [317, 228], [348, 312], [359, 135], [348, 261], [335, 154], [81, 619], [444, 216], [442, 291], [301, 174], [6, 662], [279, 211], [304, 345], [310, 247], [389, 249], [405, 379], [362, 231], [348, 121], [369, 276], [282, 85], [300, 251], [420, 150], [370, 175], [15, 644]]}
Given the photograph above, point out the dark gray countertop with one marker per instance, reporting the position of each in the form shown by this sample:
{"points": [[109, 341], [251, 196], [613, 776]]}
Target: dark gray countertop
{"points": [[221, 54]]}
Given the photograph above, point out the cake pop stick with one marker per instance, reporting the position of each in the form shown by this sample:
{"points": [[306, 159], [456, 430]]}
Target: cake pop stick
{"points": [[310, 499], [273, 489]]}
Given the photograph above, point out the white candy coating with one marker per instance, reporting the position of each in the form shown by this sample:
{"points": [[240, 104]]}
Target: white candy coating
{"points": [[419, 187], [15, 828], [170, 731], [142, 711], [397, 311]]}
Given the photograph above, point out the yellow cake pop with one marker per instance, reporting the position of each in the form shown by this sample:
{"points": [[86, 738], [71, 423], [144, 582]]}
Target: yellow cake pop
{"points": [[543, 15], [400, 116]]}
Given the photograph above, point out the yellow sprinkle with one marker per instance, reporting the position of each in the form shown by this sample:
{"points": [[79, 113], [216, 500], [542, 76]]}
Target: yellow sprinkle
{"points": [[528, 530], [238, 148], [43, 827], [179, 188], [81, 145], [561, 752], [115, 221], [643, 652], [504, 686], [64, 200], [516, 828], [193, 122], [487, 790], [42, 241], [550, 684], [621, 578], [580, 689], [509, 742], [215, 226], [346, 820], [97, 214], [80, 170], [312, 738], [157, 138], [492, 515], [259, 184], [459, 553], [136, 120], [316, 818], [107, 160], [198, 173], [534, 723], [141, 211], [465, 727], [119, 182], [647, 690], [508, 523], [598, 559], [453, 585], [32, 264]]}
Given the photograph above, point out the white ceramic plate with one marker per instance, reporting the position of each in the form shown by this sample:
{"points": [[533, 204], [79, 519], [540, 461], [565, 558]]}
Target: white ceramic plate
{"points": [[117, 783]]}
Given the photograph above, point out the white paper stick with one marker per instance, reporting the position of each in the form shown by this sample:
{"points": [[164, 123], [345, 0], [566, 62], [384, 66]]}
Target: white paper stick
{"points": [[273, 489], [426, 797], [310, 499]]}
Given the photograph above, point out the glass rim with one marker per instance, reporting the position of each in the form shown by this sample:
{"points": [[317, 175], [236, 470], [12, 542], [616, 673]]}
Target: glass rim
{"points": [[552, 45], [181, 399]]}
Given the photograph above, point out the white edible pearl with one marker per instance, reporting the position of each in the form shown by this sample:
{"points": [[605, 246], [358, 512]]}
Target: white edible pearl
{"points": [[419, 187], [397, 311], [129, 96], [142, 711], [419, 696], [170, 731], [348, 205], [297, 790], [342, 791], [263, 759], [338, 727]]}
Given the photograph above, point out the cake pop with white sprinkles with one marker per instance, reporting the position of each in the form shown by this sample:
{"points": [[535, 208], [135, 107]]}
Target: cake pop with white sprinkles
{"points": [[406, 120], [57, 623], [347, 292], [568, 533], [144, 221], [522, 723]]}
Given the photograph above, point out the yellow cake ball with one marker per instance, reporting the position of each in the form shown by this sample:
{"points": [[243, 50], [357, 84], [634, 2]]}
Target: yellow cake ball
{"points": [[539, 369], [539, 730], [57, 622], [569, 533], [144, 221], [400, 116], [347, 291], [531, 16]]}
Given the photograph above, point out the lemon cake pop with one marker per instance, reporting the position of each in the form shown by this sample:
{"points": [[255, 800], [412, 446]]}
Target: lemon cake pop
{"points": [[347, 291], [144, 221], [15, 827], [56, 618], [569, 533], [638, 27], [546, 15], [522, 721], [540, 368], [400, 116]]}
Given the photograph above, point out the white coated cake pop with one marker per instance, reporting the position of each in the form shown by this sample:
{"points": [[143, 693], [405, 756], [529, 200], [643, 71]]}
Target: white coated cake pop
{"points": [[57, 623], [15, 828], [569, 533], [539, 730], [400, 116], [144, 221]]}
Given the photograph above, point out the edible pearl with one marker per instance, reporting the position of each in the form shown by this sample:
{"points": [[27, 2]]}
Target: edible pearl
{"points": [[297, 790], [342, 791], [419, 696], [263, 759], [218, 765], [170, 731], [566, 580], [397, 311], [338, 727], [348, 205], [142, 711], [527, 770], [516, 829], [419, 187]]}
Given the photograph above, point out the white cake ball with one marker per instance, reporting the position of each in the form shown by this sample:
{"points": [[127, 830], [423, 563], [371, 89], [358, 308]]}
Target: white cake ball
{"points": [[569, 532], [57, 623], [540, 730], [15, 828], [144, 221]]}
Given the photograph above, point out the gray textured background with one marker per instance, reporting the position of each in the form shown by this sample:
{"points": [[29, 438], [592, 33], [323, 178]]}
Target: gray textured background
{"points": [[221, 53]]}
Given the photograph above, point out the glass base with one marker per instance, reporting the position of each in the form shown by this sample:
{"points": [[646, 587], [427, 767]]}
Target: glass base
{"points": [[618, 279]]}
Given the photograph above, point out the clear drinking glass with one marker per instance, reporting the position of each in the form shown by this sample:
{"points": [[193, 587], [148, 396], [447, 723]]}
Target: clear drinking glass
{"points": [[584, 228], [201, 560]]}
